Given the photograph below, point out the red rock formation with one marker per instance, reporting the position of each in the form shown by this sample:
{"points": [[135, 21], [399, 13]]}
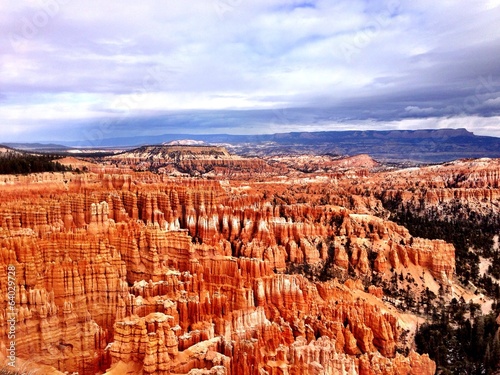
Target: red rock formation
{"points": [[210, 161], [169, 276]]}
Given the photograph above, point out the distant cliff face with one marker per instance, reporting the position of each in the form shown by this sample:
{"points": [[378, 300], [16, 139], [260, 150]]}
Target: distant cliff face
{"points": [[144, 272], [428, 146]]}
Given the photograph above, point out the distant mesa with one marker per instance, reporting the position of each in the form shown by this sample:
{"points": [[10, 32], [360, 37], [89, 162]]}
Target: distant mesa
{"points": [[174, 151], [45, 147], [423, 146], [425, 133]]}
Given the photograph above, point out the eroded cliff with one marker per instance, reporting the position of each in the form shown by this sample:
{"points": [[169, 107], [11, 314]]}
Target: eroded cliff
{"points": [[154, 275]]}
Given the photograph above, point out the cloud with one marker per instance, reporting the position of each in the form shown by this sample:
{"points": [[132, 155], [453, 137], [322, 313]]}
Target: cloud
{"points": [[308, 64], [494, 102], [414, 110]]}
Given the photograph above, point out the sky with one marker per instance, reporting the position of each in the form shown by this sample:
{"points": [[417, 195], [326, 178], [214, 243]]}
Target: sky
{"points": [[74, 69]]}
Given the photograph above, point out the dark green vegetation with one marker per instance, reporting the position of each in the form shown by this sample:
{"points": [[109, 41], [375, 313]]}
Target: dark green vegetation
{"points": [[458, 337], [90, 154], [470, 232], [21, 163], [460, 340]]}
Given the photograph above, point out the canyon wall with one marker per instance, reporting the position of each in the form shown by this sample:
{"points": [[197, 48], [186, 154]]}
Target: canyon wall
{"points": [[142, 272]]}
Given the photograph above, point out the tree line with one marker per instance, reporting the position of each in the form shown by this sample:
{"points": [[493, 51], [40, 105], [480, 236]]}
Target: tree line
{"points": [[17, 163], [461, 340]]}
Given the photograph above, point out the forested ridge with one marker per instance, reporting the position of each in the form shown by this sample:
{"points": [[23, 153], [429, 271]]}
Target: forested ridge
{"points": [[24, 163]]}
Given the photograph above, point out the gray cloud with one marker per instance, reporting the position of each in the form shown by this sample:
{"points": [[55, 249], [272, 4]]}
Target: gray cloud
{"points": [[68, 67]]}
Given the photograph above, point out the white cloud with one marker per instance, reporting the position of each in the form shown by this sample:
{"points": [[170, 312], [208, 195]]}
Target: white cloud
{"points": [[420, 111], [358, 58], [494, 102]]}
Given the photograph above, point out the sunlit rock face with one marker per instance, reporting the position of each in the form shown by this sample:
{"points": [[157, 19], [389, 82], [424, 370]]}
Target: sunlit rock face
{"points": [[208, 161], [146, 273]]}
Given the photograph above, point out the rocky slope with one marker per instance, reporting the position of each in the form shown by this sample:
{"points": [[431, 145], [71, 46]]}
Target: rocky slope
{"points": [[189, 160], [217, 163], [146, 273], [323, 163]]}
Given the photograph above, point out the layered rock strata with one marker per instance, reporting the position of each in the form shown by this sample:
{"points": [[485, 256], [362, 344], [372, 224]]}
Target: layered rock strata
{"points": [[178, 276]]}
